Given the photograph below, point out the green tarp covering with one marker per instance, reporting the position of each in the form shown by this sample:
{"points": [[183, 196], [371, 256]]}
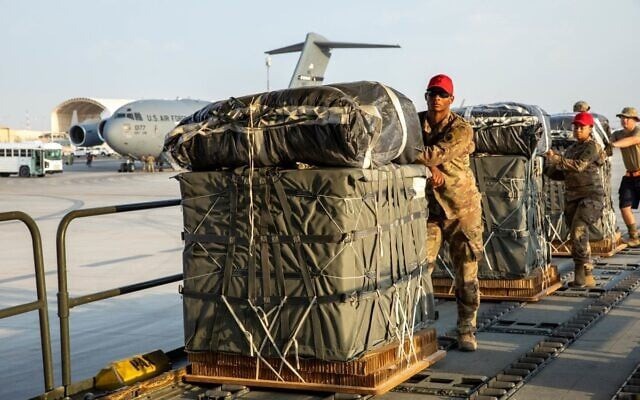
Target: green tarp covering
{"points": [[323, 263]]}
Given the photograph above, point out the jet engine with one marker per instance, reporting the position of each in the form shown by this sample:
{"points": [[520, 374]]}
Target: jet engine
{"points": [[100, 128], [85, 134]]}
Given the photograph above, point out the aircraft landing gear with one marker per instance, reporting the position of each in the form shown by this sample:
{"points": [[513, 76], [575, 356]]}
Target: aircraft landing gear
{"points": [[127, 166]]}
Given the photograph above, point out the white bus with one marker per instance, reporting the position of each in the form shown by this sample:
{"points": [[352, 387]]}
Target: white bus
{"points": [[52, 158], [30, 158]]}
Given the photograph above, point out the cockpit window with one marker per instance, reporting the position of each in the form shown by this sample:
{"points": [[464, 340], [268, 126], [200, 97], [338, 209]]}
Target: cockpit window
{"points": [[130, 115], [120, 115], [138, 116]]}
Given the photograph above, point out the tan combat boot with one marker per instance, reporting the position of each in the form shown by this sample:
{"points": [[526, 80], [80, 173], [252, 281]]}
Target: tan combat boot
{"points": [[467, 342], [589, 280], [583, 277], [579, 276], [634, 240]]}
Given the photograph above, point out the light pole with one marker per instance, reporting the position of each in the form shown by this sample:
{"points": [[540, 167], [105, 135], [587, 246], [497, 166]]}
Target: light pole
{"points": [[267, 63]]}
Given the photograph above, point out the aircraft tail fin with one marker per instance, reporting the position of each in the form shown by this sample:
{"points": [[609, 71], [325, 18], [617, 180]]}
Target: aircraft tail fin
{"points": [[315, 52]]}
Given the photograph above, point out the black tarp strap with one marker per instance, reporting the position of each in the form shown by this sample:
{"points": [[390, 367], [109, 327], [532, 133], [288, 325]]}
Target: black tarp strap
{"points": [[304, 268], [486, 210], [264, 245], [231, 249], [322, 239], [231, 244], [401, 203], [391, 217], [396, 239], [410, 211], [379, 249], [276, 246], [354, 297]]}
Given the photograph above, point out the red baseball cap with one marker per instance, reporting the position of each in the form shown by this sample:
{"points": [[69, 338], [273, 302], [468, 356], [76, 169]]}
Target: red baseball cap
{"points": [[443, 82], [583, 118]]}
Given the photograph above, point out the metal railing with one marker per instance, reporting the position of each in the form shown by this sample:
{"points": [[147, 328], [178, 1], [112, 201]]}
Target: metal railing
{"points": [[65, 303], [41, 289]]}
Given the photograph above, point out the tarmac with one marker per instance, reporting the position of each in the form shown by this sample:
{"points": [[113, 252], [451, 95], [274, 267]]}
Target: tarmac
{"points": [[103, 252], [111, 251]]}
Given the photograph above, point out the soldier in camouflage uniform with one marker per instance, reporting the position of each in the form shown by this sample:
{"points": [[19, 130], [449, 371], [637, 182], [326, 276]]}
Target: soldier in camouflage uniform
{"points": [[454, 201], [579, 167]]}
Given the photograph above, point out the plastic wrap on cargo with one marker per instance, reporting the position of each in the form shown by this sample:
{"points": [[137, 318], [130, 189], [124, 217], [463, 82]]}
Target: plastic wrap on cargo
{"points": [[335, 257], [360, 124], [508, 128]]}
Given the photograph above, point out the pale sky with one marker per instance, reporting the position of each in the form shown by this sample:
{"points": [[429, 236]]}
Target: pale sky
{"points": [[549, 53]]}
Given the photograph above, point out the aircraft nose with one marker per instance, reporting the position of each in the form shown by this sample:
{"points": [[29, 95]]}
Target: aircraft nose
{"points": [[112, 134]]}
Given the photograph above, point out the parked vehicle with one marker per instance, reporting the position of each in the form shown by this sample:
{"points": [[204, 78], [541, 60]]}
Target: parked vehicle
{"points": [[30, 159]]}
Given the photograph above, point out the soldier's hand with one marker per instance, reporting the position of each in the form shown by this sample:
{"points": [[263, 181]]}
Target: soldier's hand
{"points": [[608, 149], [437, 178], [550, 153]]}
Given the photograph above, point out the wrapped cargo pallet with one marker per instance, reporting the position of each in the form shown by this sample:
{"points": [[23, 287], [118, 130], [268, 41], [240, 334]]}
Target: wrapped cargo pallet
{"points": [[360, 124], [322, 263], [509, 139], [604, 235], [508, 128], [512, 211]]}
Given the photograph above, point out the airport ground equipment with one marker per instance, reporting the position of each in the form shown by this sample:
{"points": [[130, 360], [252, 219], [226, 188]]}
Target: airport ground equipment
{"points": [[605, 238]]}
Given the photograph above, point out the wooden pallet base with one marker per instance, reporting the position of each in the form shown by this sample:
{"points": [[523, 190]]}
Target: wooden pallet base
{"points": [[542, 283], [374, 373], [601, 248], [392, 381]]}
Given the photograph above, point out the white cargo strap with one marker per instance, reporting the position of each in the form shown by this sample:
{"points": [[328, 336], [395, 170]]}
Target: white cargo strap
{"points": [[373, 111], [252, 347], [396, 104], [265, 327]]}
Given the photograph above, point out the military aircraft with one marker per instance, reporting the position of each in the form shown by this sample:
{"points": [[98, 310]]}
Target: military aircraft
{"points": [[137, 129]]}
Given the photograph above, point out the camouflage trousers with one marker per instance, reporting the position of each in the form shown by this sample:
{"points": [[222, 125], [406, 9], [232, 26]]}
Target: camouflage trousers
{"points": [[464, 237], [580, 214]]}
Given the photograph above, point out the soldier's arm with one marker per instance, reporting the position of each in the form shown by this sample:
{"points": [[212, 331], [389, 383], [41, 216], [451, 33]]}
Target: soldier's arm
{"points": [[626, 142], [454, 144], [588, 156]]}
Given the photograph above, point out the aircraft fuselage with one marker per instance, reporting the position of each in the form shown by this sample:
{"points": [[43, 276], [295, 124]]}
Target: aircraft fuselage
{"points": [[137, 129]]}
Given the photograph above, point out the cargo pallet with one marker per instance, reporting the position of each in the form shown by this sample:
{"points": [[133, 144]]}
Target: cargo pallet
{"points": [[374, 373], [543, 282], [602, 248]]}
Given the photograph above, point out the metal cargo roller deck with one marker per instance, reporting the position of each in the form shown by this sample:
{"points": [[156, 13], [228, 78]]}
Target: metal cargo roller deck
{"points": [[574, 344]]}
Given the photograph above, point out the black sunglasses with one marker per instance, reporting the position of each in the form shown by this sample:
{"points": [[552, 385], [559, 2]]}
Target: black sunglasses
{"points": [[439, 93]]}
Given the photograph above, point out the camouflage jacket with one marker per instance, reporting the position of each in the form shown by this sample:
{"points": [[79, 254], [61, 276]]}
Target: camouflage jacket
{"points": [[448, 146], [580, 168]]}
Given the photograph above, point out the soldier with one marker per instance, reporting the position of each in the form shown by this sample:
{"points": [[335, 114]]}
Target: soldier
{"points": [[454, 200], [628, 140], [581, 106], [579, 167]]}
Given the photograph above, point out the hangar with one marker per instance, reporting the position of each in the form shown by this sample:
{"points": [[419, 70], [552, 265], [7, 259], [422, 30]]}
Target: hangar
{"points": [[82, 109]]}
